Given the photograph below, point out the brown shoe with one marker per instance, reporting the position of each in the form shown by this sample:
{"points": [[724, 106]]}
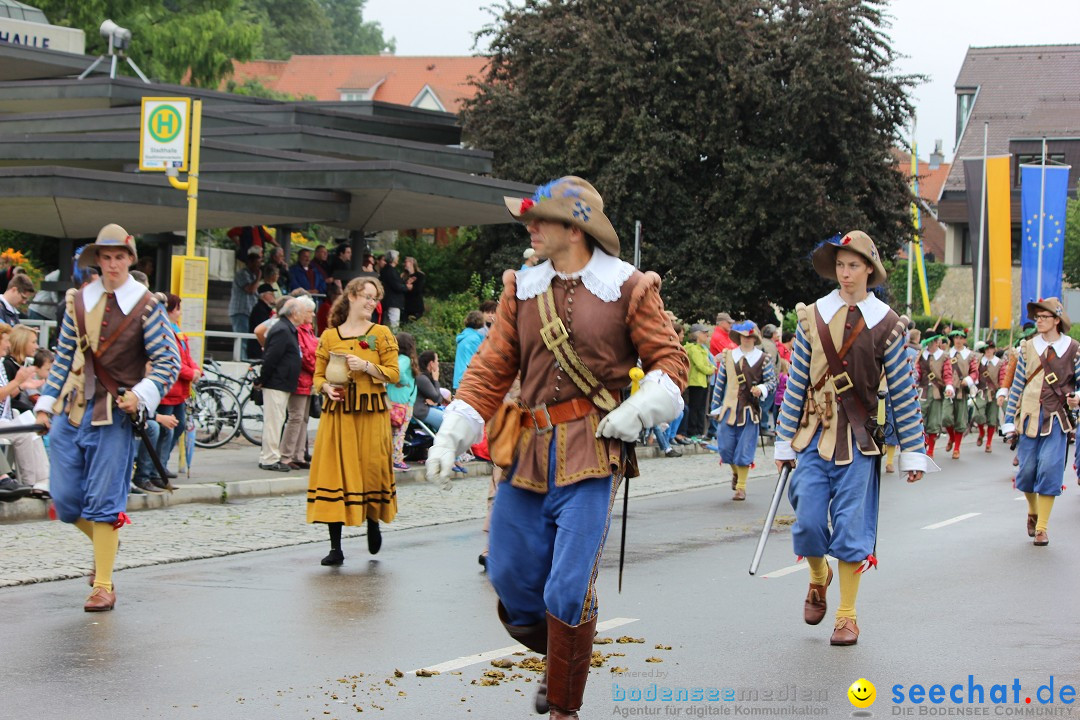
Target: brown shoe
{"points": [[814, 608], [1032, 519], [845, 633], [568, 663], [1041, 538], [890, 468], [739, 495], [100, 600], [956, 452]]}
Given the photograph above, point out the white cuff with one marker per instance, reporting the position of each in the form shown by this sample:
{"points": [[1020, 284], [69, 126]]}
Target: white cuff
{"points": [[1007, 428], [45, 404], [910, 461], [1002, 392], [148, 395], [717, 412], [764, 390], [969, 382], [467, 411], [782, 450], [950, 390], [660, 378]]}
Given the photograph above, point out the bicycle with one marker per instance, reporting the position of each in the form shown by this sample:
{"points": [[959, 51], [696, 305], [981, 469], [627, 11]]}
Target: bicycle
{"points": [[250, 413], [215, 412]]}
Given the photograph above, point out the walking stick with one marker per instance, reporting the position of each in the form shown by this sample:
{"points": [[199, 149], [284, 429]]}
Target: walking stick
{"points": [[635, 379], [770, 516]]}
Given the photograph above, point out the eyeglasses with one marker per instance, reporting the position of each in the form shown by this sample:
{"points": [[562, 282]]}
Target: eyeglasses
{"points": [[1044, 316]]}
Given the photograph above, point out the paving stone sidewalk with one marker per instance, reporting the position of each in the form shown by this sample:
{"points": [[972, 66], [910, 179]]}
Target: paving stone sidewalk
{"points": [[41, 551]]}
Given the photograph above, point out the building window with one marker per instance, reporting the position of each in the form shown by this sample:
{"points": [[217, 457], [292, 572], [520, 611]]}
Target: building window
{"points": [[1035, 159], [354, 95], [965, 246], [965, 99]]}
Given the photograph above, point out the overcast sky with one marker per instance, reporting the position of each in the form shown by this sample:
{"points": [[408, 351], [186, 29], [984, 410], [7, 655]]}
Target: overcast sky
{"points": [[933, 34]]}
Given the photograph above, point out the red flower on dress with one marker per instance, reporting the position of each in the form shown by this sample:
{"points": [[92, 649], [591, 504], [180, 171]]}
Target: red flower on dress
{"points": [[526, 205], [364, 344]]}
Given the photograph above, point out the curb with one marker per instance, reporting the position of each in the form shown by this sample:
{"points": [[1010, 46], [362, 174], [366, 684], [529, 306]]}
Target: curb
{"points": [[29, 509]]}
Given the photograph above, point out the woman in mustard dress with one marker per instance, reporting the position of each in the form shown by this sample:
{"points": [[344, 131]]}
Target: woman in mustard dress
{"points": [[352, 474]]}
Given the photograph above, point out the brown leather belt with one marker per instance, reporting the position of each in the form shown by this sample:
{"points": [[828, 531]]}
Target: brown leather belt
{"points": [[544, 418]]}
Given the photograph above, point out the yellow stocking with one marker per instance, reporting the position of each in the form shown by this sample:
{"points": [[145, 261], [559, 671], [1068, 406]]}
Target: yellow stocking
{"points": [[86, 526], [106, 542], [1032, 498], [741, 471], [849, 589], [1046, 504], [819, 570], [890, 453]]}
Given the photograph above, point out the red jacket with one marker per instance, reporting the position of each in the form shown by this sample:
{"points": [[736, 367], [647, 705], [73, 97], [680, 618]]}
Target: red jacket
{"points": [[309, 343], [180, 391]]}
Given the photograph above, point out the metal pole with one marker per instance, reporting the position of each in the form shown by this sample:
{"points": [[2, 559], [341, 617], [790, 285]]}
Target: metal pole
{"points": [[1042, 223], [982, 235], [637, 243], [914, 213]]}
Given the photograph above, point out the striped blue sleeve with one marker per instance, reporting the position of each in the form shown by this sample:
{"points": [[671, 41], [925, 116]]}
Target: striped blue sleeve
{"points": [[768, 378], [65, 354], [1016, 390], [907, 413], [720, 383], [798, 382], [160, 343]]}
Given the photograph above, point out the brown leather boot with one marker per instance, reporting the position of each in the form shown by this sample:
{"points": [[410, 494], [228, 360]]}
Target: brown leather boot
{"points": [[533, 637], [846, 632], [569, 657], [1032, 519], [1041, 538], [739, 495], [100, 600], [814, 608]]}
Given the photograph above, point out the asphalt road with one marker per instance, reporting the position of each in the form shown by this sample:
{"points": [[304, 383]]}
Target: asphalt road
{"points": [[272, 634]]}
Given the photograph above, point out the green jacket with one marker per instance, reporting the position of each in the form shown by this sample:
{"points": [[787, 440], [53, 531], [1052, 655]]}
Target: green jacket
{"points": [[701, 366]]}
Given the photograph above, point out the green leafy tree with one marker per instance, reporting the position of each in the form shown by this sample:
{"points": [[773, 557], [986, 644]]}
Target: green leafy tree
{"points": [[170, 38], [741, 133], [1072, 243], [315, 27]]}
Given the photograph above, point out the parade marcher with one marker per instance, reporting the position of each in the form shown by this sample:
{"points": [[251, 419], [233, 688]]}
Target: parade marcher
{"points": [[101, 349], [991, 374], [745, 379], [574, 326], [965, 372], [845, 342], [935, 387], [1044, 383]]}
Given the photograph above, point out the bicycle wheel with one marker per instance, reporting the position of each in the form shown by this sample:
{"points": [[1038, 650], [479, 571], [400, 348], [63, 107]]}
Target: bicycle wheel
{"points": [[215, 411], [251, 421]]}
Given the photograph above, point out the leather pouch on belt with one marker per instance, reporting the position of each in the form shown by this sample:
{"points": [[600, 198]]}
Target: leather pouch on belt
{"points": [[503, 433]]}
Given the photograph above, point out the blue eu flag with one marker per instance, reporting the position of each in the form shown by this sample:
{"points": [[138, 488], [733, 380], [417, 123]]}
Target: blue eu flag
{"points": [[1053, 232]]}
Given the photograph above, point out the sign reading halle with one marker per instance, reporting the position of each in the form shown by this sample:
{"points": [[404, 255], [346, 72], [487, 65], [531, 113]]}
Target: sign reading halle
{"points": [[164, 133]]}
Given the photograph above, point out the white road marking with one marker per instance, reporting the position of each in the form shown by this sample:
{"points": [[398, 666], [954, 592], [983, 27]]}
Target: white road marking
{"points": [[787, 570], [467, 660], [1020, 498], [950, 521]]}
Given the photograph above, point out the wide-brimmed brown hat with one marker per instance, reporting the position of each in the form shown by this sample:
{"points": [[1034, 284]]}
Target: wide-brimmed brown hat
{"points": [[857, 242], [568, 199], [111, 236], [1052, 306]]}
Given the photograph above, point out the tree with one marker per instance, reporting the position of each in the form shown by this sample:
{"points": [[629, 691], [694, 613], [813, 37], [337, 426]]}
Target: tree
{"points": [[315, 27], [741, 133], [1072, 243], [170, 38]]}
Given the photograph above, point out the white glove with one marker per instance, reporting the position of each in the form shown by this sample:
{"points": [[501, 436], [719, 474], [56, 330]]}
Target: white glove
{"points": [[454, 438], [649, 406]]}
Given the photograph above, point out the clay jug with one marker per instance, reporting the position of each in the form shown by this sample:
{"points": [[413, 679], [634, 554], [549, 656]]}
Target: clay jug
{"points": [[337, 369]]}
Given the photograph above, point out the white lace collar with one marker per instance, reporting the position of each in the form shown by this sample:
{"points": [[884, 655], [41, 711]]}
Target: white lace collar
{"points": [[937, 353], [993, 361], [603, 276], [1060, 345], [963, 353], [126, 295], [873, 310], [751, 357]]}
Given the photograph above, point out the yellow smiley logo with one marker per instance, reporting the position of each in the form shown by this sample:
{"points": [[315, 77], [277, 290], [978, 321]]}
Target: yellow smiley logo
{"points": [[862, 693]]}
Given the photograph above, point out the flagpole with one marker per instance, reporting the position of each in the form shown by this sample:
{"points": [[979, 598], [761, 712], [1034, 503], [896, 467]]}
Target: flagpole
{"points": [[914, 213], [1042, 222], [982, 234]]}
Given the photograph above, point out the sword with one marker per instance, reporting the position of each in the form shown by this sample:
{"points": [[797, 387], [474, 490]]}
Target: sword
{"points": [[635, 378], [778, 494], [36, 428], [138, 424]]}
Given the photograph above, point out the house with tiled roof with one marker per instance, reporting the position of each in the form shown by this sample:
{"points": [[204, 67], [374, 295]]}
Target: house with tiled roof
{"points": [[431, 83], [931, 175], [1020, 94]]}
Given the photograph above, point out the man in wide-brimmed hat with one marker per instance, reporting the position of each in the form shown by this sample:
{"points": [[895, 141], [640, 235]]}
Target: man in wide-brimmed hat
{"points": [[1042, 392], [991, 377], [745, 376], [935, 387], [965, 372], [827, 423], [92, 447], [574, 327]]}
